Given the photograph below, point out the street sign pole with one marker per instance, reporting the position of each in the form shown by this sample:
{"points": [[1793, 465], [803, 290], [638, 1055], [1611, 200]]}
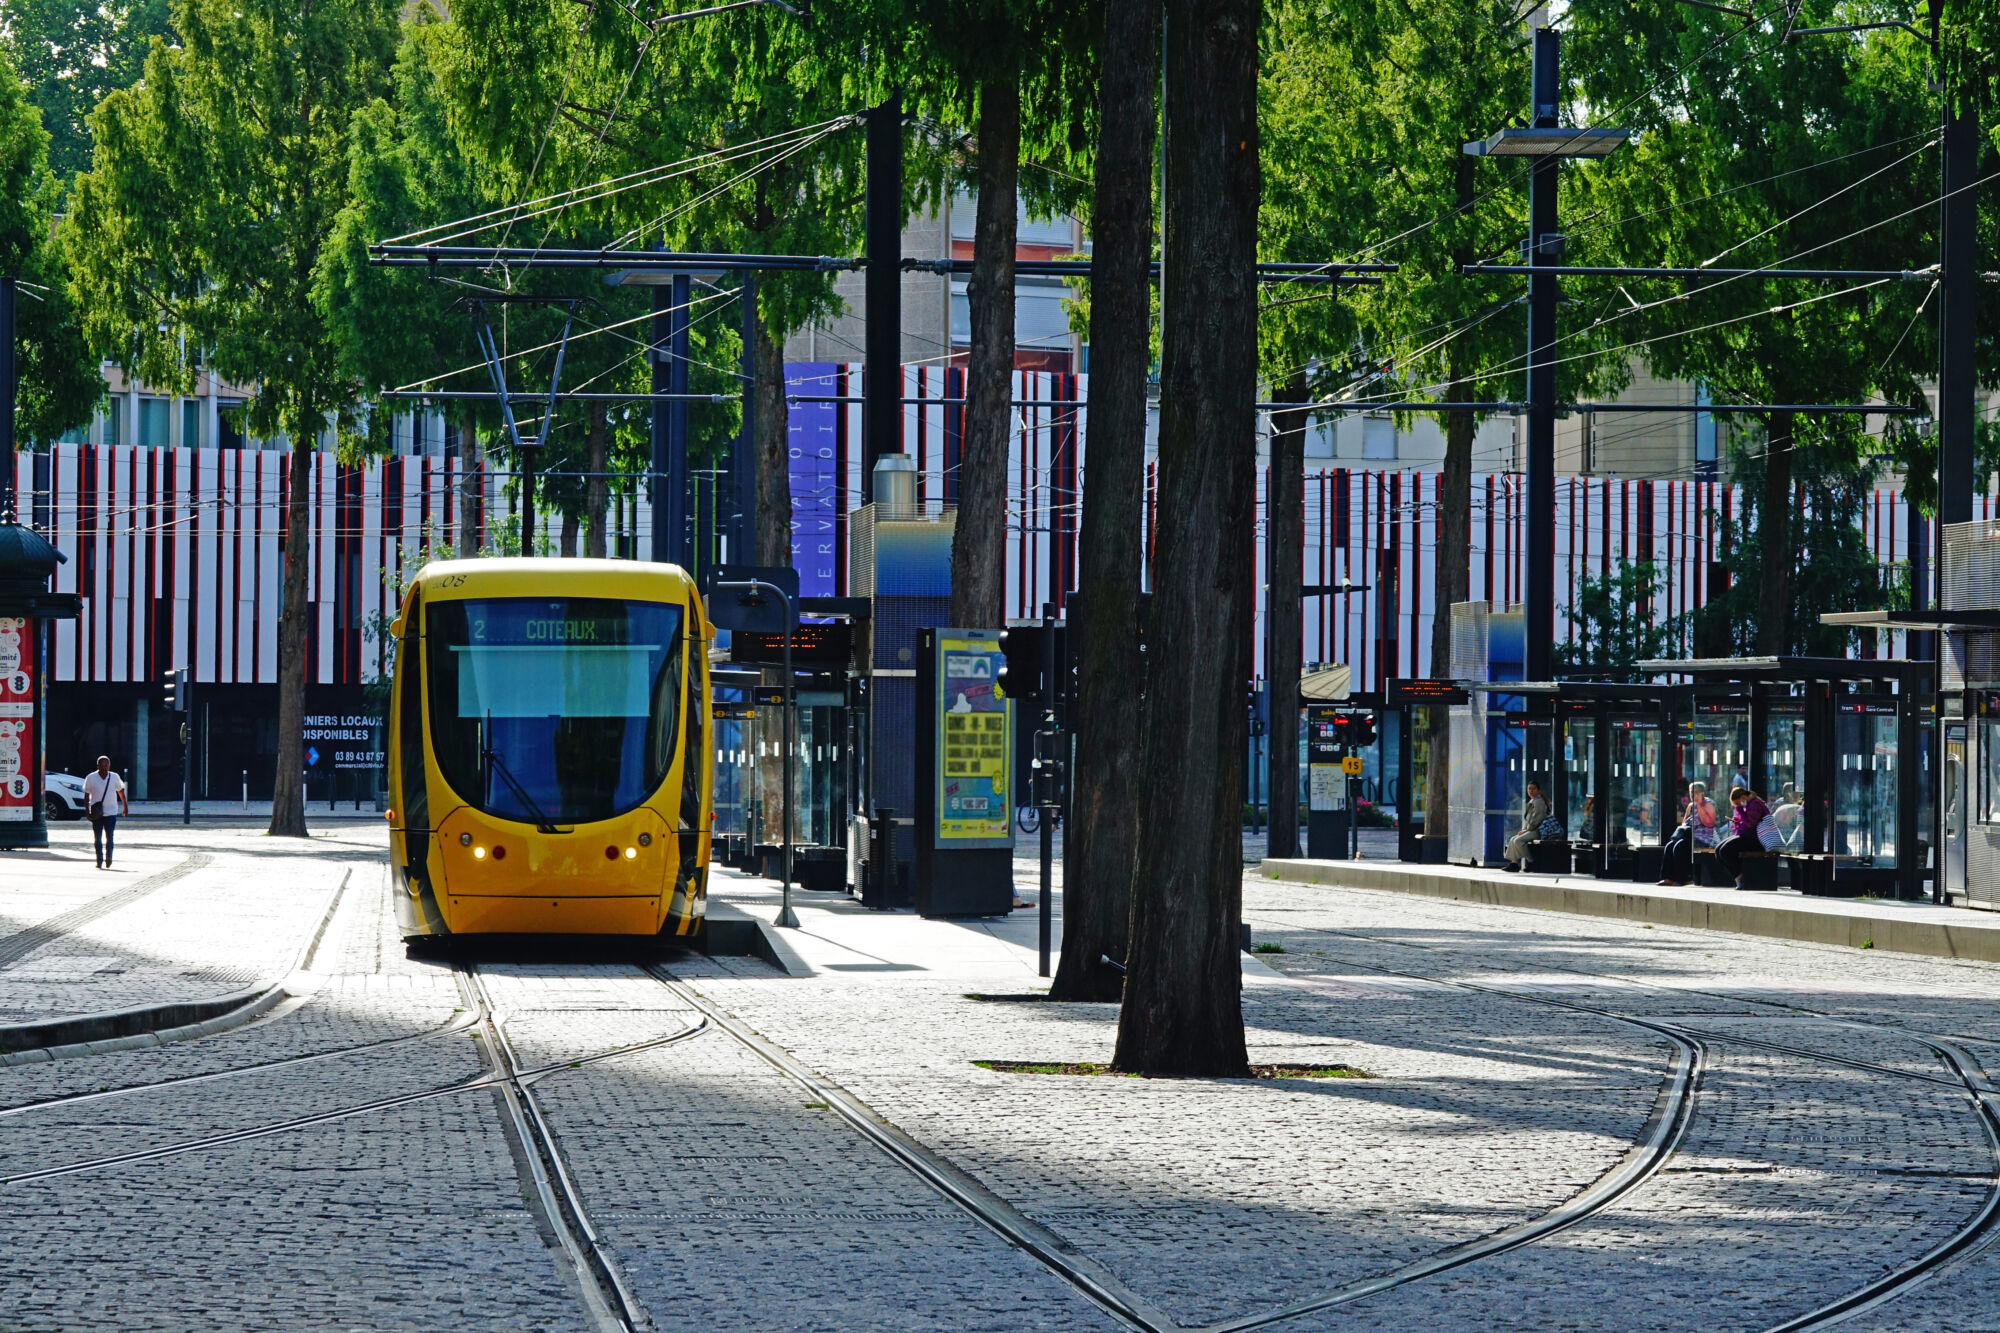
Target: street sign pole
{"points": [[1046, 771], [185, 695]]}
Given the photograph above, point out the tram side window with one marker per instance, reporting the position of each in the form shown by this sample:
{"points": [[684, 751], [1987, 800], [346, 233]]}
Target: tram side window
{"points": [[413, 800], [1989, 764]]}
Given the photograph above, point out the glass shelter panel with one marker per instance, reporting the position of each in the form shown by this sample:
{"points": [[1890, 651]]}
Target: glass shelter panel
{"points": [[1634, 813], [1579, 776], [1864, 782], [1784, 745], [1715, 748]]}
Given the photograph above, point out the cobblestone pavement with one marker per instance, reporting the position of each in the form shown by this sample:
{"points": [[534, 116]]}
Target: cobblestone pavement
{"points": [[254, 1180]]}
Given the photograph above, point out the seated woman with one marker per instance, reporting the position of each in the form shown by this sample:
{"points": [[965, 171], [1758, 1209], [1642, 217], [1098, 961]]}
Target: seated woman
{"points": [[1698, 828], [1747, 813]]}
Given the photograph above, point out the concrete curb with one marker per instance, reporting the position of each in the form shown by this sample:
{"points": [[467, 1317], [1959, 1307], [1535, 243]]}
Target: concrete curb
{"points": [[729, 931], [159, 1024], [1941, 933]]}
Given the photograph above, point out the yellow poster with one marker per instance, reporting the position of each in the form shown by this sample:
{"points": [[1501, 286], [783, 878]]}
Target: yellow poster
{"points": [[975, 743]]}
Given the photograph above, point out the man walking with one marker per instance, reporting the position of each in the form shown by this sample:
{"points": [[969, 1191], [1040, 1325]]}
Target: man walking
{"points": [[104, 797]]}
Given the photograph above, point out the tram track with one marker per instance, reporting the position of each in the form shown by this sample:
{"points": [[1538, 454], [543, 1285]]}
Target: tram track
{"points": [[605, 1293], [1660, 1137], [1966, 1077]]}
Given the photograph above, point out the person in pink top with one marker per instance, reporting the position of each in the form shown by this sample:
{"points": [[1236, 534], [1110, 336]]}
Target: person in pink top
{"points": [[1747, 813]]}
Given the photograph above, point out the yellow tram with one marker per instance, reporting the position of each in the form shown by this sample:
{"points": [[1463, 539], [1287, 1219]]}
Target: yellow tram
{"points": [[550, 764]]}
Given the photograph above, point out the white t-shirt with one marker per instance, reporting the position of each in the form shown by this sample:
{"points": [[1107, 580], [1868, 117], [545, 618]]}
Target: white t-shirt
{"points": [[106, 787]]}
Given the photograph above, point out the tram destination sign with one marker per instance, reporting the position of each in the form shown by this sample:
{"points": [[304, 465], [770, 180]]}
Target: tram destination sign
{"points": [[824, 645], [1420, 691]]}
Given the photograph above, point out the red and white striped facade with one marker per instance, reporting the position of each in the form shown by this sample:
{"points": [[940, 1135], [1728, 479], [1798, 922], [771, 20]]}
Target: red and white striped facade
{"points": [[177, 552], [178, 556]]}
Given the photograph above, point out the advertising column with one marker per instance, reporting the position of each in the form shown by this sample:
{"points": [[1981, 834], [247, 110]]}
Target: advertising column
{"points": [[965, 842], [19, 745]]}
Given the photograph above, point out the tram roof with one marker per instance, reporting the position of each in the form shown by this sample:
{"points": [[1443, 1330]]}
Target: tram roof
{"points": [[537, 570]]}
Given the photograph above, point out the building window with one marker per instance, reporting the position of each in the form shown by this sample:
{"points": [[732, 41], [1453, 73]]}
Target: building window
{"points": [[110, 420], [153, 420], [229, 427], [1378, 437], [1319, 438], [190, 423]]}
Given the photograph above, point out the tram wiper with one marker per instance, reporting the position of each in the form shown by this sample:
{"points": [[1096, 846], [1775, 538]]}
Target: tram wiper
{"points": [[543, 824]]}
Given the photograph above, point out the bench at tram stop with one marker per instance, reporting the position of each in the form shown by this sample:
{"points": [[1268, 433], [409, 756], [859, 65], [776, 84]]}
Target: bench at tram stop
{"points": [[1548, 856], [1708, 871], [1760, 870]]}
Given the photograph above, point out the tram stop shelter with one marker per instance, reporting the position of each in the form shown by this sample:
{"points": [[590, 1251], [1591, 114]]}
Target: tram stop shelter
{"points": [[1840, 748]]}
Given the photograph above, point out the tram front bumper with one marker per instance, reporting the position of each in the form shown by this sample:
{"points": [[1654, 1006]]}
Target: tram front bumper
{"points": [[610, 877]]}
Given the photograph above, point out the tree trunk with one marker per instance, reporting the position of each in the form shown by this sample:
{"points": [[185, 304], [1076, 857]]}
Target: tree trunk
{"points": [[979, 544], [1102, 840], [1774, 531], [1453, 575], [288, 785], [568, 535], [1183, 988], [774, 457], [1284, 605], [596, 487], [468, 490]]}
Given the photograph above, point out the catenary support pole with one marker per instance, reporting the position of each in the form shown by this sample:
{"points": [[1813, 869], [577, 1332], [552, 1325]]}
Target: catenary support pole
{"points": [[1544, 244], [680, 537], [743, 457], [881, 414], [665, 530], [8, 288], [1958, 296]]}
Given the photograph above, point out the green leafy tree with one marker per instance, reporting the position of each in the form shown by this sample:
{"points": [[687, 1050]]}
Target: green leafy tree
{"points": [[70, 55], [1834, 569], [1616, 623], [199, 231], [553, 105], [58, 383], [1367, 108], [1808, 149]]}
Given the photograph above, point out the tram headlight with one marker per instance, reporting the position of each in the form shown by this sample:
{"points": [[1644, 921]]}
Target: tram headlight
{"points": [[631, 853], [465, 839], [479, 853], [645, 840]]}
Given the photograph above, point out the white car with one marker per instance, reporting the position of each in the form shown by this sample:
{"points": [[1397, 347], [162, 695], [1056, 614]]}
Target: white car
{"points": [[62, 795]]}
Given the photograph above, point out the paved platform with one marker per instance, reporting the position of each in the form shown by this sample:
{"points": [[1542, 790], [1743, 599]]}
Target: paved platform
{"points": [[191, 923], [837, 935], [1861, 923]]}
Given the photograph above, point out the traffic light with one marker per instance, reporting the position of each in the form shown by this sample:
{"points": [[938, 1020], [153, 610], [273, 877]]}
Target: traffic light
{"points": [[1364, 730], [1021, 674], [177, 690]]}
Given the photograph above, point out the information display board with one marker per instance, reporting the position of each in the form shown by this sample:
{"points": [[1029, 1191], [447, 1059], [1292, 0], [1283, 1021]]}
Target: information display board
{"points": [[975, 742], [17, 720]]}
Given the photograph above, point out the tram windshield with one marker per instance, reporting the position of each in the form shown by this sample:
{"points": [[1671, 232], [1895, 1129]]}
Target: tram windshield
{"points": [[554, 709]]}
